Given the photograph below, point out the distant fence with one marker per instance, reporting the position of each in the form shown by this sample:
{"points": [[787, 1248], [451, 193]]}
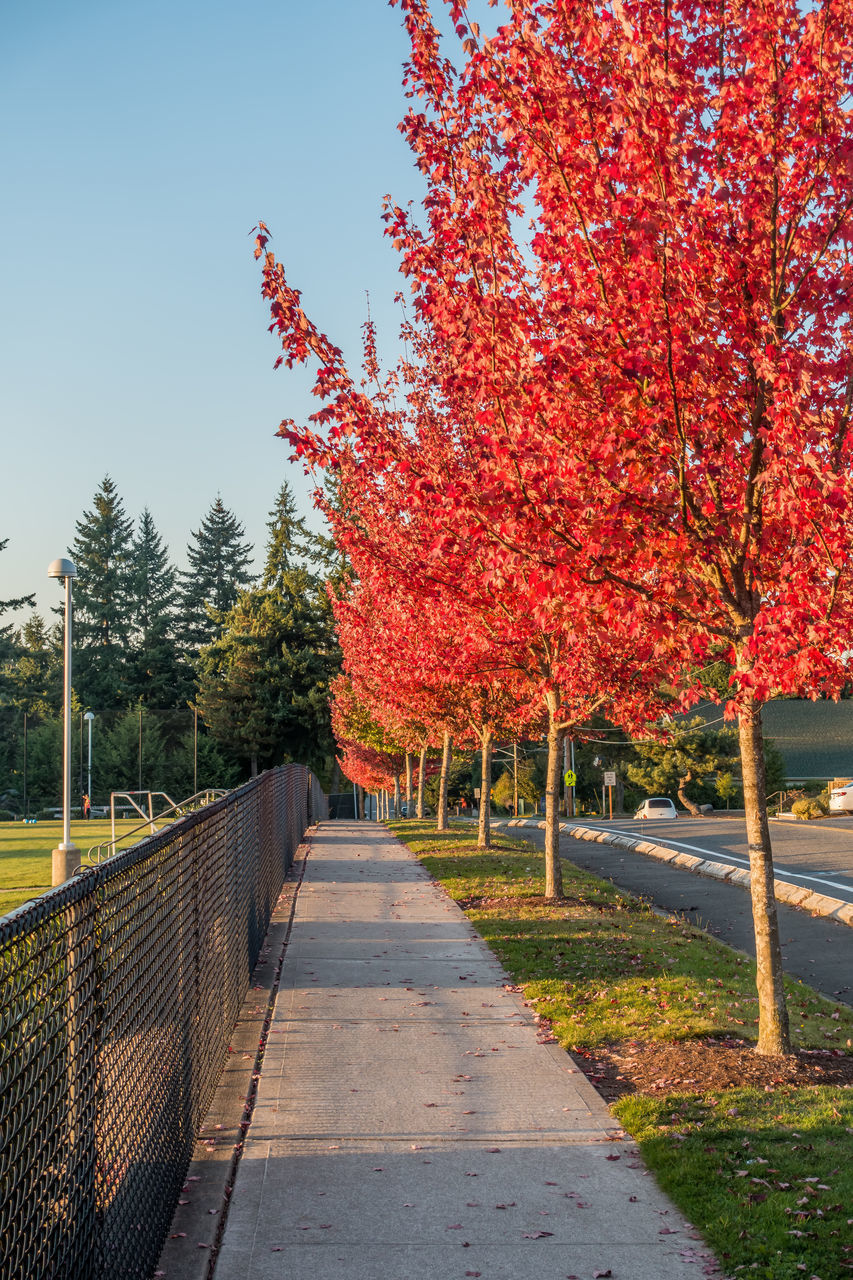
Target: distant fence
{"points": [[341, 804], [118, 995]]}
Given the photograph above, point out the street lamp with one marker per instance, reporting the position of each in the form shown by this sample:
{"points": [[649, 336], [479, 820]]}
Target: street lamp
{"points": [[89, 716], [66, 858]]}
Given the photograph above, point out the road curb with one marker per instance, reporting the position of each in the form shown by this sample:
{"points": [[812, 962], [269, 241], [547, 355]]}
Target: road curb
{"points": [[795, 895]]}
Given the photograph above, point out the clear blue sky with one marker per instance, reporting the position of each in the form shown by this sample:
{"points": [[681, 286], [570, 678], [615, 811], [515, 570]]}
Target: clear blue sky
{"points": [[141, 143]]}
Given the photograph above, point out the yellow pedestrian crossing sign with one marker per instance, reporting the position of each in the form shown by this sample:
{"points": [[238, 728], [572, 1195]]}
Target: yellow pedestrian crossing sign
{"points": [[570, 777]]}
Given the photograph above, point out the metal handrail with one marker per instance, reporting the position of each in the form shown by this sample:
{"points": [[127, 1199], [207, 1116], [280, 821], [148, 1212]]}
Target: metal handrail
{"points": [[96, 853], [783, 795]]}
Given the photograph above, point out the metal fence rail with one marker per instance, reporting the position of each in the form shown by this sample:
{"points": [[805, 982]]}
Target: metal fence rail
{"points": [[118, 995]]}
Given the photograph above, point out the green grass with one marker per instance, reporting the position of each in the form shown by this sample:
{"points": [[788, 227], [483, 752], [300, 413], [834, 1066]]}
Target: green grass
{"points": [[769, 1180], [25, 854], [602, 967]]}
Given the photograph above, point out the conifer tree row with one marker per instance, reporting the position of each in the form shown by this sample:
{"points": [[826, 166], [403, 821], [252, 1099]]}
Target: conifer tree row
{"points": [[152, 644]]}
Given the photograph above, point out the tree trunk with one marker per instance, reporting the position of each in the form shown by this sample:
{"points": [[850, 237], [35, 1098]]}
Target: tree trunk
{"points": [[336, 776], [553, 869], [410, 799], [484, 830], [396, 796], [441, 823], [254, 764], [421, 782], [773, 1033], [692, 809]]}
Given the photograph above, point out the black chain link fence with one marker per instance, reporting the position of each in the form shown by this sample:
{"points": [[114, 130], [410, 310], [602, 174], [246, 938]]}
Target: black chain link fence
{"points": [[118, 994]]}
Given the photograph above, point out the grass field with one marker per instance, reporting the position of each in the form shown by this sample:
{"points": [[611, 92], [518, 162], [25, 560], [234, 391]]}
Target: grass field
{"points": [[25, 853], [766, 1173]]}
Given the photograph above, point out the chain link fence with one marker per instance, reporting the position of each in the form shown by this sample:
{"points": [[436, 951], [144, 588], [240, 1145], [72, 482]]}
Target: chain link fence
{"points": [[118, 994]]}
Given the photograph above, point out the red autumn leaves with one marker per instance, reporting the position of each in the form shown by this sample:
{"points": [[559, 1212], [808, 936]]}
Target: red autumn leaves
{"points": [[618, 446]]}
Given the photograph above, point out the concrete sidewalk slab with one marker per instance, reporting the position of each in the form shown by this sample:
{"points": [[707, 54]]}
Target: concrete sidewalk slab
{"points": [[411, 1122]]}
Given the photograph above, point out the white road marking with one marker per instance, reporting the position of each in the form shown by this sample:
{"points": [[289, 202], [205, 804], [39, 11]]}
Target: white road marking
{"points": [[716, 855]]}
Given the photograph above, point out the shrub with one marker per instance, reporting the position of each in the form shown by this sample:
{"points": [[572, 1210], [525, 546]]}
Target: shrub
{"points": [[6, 815], [809, 808]]}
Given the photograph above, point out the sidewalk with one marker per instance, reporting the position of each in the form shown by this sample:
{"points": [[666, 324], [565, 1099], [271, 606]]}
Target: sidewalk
{"points": [[410, 1125]]}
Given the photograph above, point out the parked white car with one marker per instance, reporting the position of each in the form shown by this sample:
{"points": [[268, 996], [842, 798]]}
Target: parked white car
{"points": [[657, 807], [841, 799]]}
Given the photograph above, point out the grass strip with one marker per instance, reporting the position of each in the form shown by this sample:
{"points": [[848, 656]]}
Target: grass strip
{"points": [[766, 1175]]}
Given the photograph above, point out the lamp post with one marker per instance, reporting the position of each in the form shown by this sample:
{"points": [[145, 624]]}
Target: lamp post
{"points": [[66, 857], [89, 717]]}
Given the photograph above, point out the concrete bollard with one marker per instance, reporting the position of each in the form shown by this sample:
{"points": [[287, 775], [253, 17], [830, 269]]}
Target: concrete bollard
{"points": [[65, 860]]}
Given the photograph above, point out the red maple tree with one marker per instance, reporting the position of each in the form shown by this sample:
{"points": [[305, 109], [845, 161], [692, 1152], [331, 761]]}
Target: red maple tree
{"points": [[637, 256]]}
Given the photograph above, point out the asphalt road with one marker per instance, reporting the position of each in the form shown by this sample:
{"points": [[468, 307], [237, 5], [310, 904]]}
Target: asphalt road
{"points": [[816, 854], [815, 949]]}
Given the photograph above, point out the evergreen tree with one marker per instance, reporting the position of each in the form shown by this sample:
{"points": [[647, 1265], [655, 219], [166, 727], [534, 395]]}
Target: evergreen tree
{"points": [[213, 765], [236, 675], [289, 540], [264, 682], [32, 679], [292, 544], [159, 676], [131, 749], [103, 600], [7, 646], [693, 754], [219, 569]]}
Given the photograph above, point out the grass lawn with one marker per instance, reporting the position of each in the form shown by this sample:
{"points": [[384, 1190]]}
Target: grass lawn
{"points": [[25, 853], [764, 1171]]}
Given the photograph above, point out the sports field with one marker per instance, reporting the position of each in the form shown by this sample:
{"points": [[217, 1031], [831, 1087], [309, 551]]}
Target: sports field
{"points": [[25, 853]]}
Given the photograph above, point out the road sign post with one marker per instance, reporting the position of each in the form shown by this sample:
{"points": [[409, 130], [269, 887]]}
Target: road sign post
{"points": [[610, 783]]}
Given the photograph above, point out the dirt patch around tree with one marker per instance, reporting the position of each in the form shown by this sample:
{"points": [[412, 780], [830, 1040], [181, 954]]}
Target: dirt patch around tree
{"points": [[704, 1066]]}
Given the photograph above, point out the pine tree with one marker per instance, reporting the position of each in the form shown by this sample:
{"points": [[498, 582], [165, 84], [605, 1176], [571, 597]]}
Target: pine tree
{"points": [[32, 679], [292, 544], [219, 569], [131, 751], [6, 642], [289, 540], [103, 600], [21, 600], [264, 681], [159, 676]]}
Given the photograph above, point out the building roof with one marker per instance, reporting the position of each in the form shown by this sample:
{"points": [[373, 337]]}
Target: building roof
{"points": [[814, 738]]}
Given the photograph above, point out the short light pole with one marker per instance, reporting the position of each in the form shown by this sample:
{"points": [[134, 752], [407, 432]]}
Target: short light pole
{"points": [[66, 857], [89, 717]]}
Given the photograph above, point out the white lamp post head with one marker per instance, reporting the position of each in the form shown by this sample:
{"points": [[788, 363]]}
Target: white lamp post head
{"points": [[89, 715], [61, 569]]}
